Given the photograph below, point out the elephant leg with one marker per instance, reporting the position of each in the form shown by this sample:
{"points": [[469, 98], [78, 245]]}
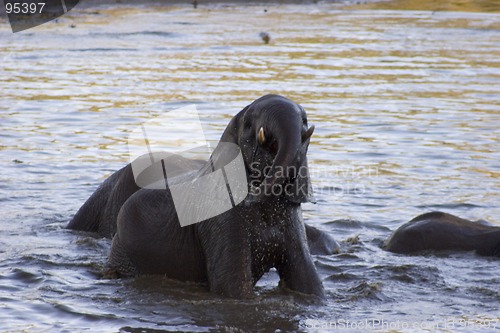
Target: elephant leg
{"points": [[119, 264], [299, 274], [228, 259], [224, 280], [297, 271]]}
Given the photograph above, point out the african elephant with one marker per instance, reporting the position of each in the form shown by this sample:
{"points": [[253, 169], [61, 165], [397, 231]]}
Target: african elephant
{"points": [[230, 251], [99, 213], [441, 231]]}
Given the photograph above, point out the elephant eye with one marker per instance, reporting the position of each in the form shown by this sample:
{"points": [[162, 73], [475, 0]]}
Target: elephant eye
{"points": [[273, 147]]}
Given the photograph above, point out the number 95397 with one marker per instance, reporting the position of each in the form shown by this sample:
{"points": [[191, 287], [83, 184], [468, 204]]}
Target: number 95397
{"points": [[24, 7]]}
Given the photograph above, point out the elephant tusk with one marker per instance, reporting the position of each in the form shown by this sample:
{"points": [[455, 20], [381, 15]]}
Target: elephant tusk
{"points": [[308, 133], [262, 136]]}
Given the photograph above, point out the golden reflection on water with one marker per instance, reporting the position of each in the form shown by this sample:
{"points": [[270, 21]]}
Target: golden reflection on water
{"points": [[400, 91], [485, 6]]}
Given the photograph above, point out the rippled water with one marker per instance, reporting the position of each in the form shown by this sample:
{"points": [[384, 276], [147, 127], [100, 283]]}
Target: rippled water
{"points": [[406, 105]]}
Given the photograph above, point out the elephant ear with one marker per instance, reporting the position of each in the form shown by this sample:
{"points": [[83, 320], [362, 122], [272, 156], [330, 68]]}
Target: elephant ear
{"points": [[302, 187], [228, 145], [227, 158], [232, 132]]}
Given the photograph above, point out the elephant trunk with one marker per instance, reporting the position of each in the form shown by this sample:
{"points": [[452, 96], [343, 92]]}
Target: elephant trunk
{"points": [[287, 134]]}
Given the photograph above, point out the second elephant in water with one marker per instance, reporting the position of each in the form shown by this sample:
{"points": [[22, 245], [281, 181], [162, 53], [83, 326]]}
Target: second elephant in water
{"points": [[232, 250], [437, 231]]}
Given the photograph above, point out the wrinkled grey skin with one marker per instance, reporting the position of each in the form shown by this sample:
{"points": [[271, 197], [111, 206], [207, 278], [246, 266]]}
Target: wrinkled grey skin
{"points": [[233, 250], [441, 231]]}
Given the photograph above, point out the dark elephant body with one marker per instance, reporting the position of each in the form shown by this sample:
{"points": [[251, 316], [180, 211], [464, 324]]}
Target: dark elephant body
{"points": [[230, 251], [100, 212], [441, 231], [321, 242]]}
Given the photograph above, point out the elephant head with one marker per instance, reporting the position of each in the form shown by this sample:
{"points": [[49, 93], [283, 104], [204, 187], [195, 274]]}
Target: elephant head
{"points": [[273, 136]]}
